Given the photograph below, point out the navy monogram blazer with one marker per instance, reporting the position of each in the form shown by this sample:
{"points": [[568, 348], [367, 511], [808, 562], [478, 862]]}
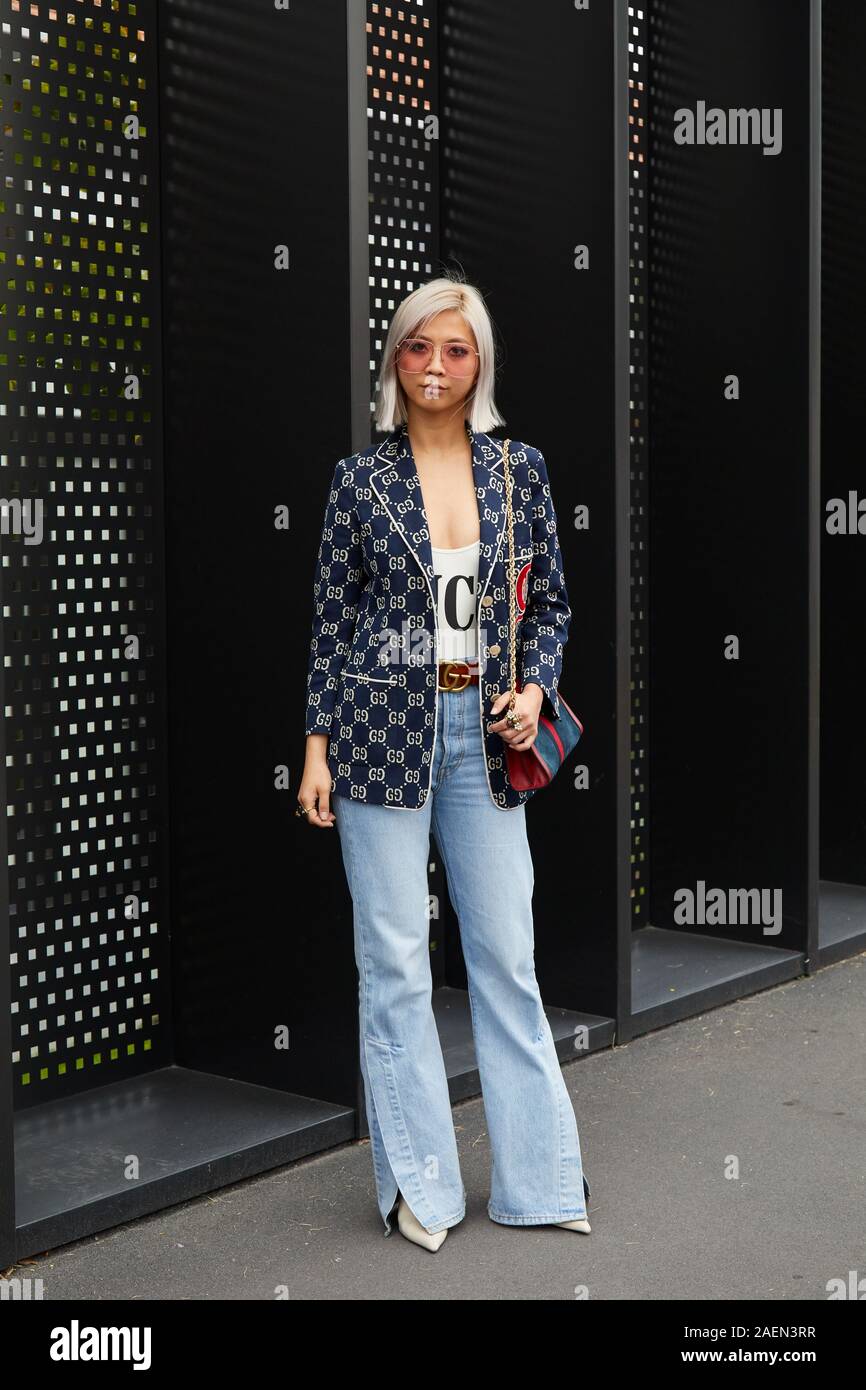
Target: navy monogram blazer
{"points": [[372, 679]]}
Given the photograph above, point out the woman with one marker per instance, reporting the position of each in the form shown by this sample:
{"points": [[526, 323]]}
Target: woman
{"points": [[406, 733]]}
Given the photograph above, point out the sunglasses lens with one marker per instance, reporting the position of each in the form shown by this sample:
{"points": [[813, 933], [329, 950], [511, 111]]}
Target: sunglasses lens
{"points": [[414, 355], [458, 360]]}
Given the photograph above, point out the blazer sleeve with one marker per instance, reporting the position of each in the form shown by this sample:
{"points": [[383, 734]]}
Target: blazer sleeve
{"points": [[338, 584], [547, 616]]}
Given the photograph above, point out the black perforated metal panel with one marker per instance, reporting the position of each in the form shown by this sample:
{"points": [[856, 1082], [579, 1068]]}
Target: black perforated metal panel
{"points": [[82, 593], [403, 125], [638, 131]]}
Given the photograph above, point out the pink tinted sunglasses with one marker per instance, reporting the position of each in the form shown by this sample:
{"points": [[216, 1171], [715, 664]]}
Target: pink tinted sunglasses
{"points": [[416, 354]]}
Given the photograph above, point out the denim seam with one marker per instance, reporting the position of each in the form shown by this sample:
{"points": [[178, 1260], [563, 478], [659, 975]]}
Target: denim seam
{"points": [[381, 1132], [446, 767], [403, 1134], [347, 841], [565, 1107], [378, 1163], [535, 1219], [560, 1129], [562, 1162], [441, 843]]}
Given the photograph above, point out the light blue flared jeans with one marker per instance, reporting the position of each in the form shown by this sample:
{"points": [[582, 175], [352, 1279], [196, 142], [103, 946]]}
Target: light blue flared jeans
{"points": [[537, 1176]]}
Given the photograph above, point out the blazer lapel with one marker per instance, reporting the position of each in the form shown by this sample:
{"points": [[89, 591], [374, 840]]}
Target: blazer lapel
{"points": [[490, 491], [398, 488]]}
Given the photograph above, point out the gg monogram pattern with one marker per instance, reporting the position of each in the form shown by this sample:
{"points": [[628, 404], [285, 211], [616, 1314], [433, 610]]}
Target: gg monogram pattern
{"points": [[372, 681]]}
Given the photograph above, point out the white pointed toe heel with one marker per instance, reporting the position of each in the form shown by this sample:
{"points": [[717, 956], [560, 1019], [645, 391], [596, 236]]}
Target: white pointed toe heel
{"points": [[575, 1226], [411, 1228]]}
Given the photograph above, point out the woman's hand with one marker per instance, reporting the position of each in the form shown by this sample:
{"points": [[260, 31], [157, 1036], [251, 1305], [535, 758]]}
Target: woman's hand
{"points": [[316, 783], [527, 706]]}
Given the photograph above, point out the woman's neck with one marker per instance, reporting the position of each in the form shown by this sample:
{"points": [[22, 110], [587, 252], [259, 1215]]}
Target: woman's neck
{"points": [[436, 436]]}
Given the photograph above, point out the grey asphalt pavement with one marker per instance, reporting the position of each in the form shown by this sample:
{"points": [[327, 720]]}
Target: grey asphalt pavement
{"points": [[726, 1155]]}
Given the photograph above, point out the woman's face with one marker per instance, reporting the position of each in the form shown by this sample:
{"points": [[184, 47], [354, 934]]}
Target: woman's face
{"points": [[438, 388]]}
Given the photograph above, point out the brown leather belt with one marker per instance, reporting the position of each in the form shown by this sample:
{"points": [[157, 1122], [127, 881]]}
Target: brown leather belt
{"points": [[456, 675]]}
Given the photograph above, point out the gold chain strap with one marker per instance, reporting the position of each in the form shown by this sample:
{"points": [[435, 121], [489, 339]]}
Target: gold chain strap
{"points": [[512, 590]]}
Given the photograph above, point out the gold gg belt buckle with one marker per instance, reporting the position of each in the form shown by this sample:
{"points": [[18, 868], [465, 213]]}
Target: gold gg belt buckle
{"points": [[456, 675]]}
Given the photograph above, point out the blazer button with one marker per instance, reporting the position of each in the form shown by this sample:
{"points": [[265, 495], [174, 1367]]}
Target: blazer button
{"points": [[487, 601], [495, 649]]}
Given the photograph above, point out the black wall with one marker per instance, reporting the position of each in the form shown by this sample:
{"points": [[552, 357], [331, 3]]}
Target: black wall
{"points": [[843, 360], [729, 481], [533, 139], [258, 412]]}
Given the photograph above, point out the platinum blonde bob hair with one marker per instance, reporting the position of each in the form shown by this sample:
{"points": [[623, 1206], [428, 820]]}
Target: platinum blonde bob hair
{"points": [[410, 318]]}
